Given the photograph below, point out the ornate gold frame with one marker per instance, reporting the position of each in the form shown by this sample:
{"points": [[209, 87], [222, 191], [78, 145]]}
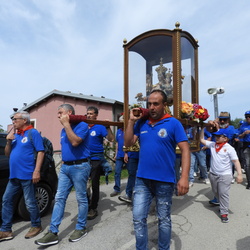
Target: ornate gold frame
{"points": [[176, 35]]}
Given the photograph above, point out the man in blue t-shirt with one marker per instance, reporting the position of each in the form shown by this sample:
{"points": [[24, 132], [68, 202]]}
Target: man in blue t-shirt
{"points": [[24, 174], [159, 135], [75, 172], [131, 158], [97, 134], [119, 161], [244, 134]]}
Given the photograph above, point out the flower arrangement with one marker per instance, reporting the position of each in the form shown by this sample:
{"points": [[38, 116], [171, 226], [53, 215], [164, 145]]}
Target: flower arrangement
{"points": [[193, 111], [186, 109]]}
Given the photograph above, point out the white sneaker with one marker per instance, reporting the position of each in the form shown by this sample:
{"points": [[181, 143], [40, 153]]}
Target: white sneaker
{"points": [[191, 184], [207, 181], [195, 174], [233, 181]]}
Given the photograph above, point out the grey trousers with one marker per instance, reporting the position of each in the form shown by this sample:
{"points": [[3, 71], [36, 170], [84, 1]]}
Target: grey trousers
{"points": [[220, 186]]}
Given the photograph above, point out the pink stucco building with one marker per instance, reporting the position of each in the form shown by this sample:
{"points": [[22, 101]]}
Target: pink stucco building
{"points": [[43, 111]]}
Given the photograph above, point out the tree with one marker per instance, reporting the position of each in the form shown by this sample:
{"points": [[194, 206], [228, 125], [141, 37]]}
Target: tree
{"points": [[236, 122], [1, 129]]}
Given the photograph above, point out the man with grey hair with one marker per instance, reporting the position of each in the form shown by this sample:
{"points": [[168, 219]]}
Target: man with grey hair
{"points": [[24, 173], [75, 172]]}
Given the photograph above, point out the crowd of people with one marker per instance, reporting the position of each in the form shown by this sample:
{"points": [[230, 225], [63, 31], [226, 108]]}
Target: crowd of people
{"points": [[153, 173]]}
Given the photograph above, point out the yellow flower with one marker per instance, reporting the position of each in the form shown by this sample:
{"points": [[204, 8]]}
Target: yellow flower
{"points": [[186, 107]]}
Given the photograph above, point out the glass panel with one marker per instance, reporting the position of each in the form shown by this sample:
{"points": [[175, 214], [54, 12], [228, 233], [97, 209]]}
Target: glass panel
{"points": [[188, 69], [150, 67], [137, 80]]}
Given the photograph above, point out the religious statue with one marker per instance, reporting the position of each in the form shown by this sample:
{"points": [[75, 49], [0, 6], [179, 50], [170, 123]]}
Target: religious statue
{"points": [[164, 83]]}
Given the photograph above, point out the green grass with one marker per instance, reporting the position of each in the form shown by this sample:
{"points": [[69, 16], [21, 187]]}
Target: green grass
{"points": [[124, 175]]}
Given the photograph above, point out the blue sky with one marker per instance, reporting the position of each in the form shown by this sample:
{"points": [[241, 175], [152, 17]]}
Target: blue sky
{"points": [[76, 45]]}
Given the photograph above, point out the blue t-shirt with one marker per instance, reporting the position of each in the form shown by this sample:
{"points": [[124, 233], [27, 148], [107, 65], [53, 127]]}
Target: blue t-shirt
{"points": [[231, 134], [70, 153], [245, 126], [158, 148], [22, 160], [120, 141], [97, 133]]}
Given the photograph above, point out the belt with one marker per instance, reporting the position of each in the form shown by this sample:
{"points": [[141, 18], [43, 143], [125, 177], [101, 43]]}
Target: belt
{"points": [[75, 162]]}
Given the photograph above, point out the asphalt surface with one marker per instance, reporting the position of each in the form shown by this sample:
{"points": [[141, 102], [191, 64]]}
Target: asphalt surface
{"points": [[196, 224]]}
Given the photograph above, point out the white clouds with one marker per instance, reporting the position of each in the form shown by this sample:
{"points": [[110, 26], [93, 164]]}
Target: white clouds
{"points": [[76, 45]]}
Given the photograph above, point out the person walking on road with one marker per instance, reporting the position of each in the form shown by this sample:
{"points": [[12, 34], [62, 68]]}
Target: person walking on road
{"points": [[159, 135], [97, 134], [75, 172], [24, 174], [222, 156], [244, 134]]}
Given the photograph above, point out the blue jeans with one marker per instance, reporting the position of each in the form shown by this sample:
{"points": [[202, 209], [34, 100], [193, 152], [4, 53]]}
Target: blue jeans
{"points": [[29, 192], [200, 157], [118, 169], [77, 176], [145, 190], [132, 166]]}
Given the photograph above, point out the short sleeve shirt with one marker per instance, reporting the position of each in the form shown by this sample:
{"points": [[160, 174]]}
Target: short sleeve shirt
{"points": [[70, 153], [158, 148], [22, 158]]}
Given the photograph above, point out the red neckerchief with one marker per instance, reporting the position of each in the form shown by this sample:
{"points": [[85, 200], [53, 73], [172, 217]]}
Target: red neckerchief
{"points": [[218, 146], [21, 131], [91, 125], [155, 121]]}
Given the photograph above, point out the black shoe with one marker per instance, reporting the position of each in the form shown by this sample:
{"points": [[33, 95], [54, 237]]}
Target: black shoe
{"points": [[92, 214], [114, 193], [125, 198]]}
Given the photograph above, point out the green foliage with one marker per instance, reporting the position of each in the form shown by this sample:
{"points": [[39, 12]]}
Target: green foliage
{"points": [[236, 122], [124, 175], [1, 129]]}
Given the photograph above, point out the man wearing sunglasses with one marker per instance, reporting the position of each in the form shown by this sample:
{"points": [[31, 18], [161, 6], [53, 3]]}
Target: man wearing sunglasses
{"points": [[24, 174], [244, 133]]}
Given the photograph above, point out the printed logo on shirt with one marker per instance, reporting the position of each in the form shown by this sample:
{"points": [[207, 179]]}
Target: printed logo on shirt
{"points": [[93, 133], [24, 140], [162, 133], [144, 132]]}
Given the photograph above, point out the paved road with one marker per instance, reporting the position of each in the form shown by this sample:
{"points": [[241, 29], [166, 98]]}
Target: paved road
{"points": [[196, 224]]}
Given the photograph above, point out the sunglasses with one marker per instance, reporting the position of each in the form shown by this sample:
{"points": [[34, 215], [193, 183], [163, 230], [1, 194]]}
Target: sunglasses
{"points": [[14, 119], [247, 116], [223, 119]]}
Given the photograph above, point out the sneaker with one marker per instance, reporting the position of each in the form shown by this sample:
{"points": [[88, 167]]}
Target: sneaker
{"points": [[6, 235], [77, 235], [214, 202], [191, 184], [233, 180], [34, 231], [92, 214], [48, 239], [114, 193], [195, 174], [125, 198], [207, 181], [224, 218]]}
